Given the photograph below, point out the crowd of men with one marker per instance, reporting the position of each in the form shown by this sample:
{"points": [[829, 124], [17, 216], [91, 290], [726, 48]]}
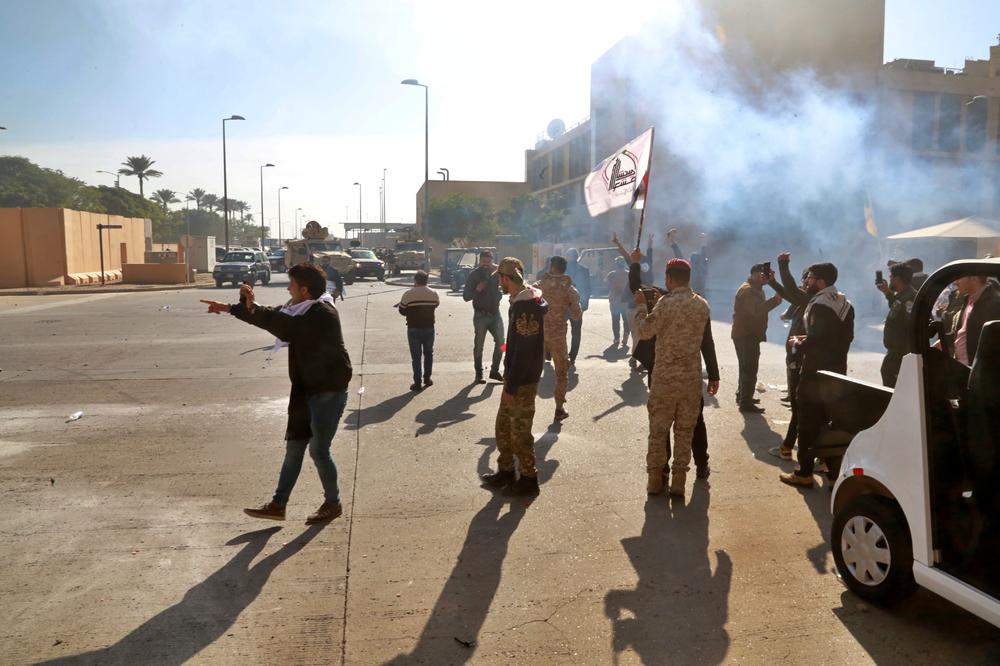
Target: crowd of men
{"points": [[670, 333]]}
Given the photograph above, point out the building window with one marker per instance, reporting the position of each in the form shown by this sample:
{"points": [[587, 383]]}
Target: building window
{"points": [[923, 121], [975, 124], [558, 165], [579, 156], [539, 176], [950, 123]]}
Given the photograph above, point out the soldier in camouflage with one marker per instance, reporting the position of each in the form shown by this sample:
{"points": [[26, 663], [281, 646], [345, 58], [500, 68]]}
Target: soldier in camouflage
{"points": [[562, 298], [522, 369], [678, 321], [900, 293]]}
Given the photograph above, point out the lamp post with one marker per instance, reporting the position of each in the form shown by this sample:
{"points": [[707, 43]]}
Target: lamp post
{"points": [[296, 230], [225, 182], [283, 187], [262, 166], [385, 203], [359, 212], [116, 175], [414, 82], [446, 172]]}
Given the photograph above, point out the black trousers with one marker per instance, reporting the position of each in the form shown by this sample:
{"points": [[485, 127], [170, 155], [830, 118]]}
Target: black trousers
{"points": [[748, 355], [813, 415], [890, 368], [793, 425]]}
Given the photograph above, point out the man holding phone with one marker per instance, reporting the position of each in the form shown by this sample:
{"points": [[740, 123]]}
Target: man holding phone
{"points": [[900, 293], [750, 310]]}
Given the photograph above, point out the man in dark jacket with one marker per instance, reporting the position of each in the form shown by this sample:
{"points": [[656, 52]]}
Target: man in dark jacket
{"points": [[483, 288], [418, 305], [333, 277], [580, 276], [320, 370], [750, 311], [900, 293], [974, 303], [797, 296], [829, 331], [522, 370]]}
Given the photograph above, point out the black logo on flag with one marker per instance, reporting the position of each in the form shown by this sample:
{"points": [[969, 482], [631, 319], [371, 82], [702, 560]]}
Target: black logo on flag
{"points": [[621, 171]]}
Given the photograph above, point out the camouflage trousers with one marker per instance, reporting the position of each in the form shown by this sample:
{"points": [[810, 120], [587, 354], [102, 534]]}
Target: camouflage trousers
{"points": [[555, 346], [675, 405], [513, 431]]}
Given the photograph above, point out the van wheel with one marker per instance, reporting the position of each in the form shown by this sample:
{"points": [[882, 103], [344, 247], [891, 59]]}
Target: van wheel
{"points": [[872, 549], [218, 284]]}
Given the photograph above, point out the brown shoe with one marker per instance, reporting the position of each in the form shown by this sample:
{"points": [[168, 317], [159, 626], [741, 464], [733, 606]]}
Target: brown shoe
{"points": [[654, 486], [677, 481], [794, 479], [327, 511], [561, 414], [270, 511]]}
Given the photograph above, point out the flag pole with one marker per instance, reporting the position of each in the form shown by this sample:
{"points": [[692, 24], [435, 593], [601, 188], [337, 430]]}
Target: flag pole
{"points": [[645, 202]]}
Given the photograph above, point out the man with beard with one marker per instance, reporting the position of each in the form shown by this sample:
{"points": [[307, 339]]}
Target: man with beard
{"points": [[750, 311], [797, 296], [483, 288], [562, 297], [900, 293], [829, 331]]}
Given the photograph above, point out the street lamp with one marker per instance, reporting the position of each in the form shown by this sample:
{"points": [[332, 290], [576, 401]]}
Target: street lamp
{"points": [[115, 174], [283, 187], [414, 82], [359, 211], [446, 172], [297, 220], [262, 166], [225, 182]]}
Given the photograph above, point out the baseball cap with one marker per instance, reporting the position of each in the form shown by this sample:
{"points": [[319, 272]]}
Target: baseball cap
{"points": [[512, 268]]}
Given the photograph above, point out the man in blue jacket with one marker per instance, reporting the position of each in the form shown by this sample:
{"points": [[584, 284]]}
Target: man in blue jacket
{"points": [[523, 362]]}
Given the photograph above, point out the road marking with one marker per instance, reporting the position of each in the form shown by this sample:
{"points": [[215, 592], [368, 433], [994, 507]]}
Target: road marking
{"points": [[48, 306]]}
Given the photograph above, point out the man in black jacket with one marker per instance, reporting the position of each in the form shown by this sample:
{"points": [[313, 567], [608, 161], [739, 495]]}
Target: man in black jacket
{"points": [[900, 293], [522, 370], [829, 331], [320, 370], [580, 276], [483, 288], [974, 303], [797, 296]]}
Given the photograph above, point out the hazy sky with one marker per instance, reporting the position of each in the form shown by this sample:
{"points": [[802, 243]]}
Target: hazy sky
{"points": [[88, 83]]}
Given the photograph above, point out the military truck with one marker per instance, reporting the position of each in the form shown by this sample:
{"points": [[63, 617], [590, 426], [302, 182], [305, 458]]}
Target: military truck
{"points": [[408, 255], [317, 246]]}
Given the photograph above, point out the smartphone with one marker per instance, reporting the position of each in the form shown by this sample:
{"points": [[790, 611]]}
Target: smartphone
{"points": [[878, 277], [767, 267]]}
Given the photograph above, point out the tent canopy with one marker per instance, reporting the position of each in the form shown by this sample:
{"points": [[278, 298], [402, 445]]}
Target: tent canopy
{"points": [[968, 227]]}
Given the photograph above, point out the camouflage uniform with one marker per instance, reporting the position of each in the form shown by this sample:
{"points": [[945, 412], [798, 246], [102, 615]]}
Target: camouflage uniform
{"points": [[678, 322], [513, 431], [562, 297]]}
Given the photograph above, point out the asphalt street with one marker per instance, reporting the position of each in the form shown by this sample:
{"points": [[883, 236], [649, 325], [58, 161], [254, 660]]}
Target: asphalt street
{"points": [[124, 541]]}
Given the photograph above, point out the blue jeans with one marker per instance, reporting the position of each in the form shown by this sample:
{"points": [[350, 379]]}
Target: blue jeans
{"points": [[325, 411], [484, 323], [620, 310], [421, 341]]}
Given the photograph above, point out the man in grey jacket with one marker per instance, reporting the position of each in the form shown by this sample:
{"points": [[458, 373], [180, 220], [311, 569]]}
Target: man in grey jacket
{"points": [[483, 289]]}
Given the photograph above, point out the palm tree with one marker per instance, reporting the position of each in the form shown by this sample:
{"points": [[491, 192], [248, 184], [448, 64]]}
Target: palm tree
{"points": [[139, 166], [211, 202], [197, 195], [165, 197], [240, 207]]}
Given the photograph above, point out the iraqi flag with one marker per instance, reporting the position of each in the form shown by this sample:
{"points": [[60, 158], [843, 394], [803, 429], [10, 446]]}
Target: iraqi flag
{"points": [[621, 179]]}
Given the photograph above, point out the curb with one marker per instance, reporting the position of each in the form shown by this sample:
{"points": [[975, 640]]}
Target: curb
{"points": [[72, 291]]}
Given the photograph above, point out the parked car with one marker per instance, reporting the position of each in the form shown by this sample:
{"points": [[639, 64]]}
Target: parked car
{"points": [[242, 266], [276, 258], [460, 273], [366, 264], [917, 468]]}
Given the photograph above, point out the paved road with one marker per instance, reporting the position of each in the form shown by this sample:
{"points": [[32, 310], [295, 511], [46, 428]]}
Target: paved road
{"points": [[123, 539]]}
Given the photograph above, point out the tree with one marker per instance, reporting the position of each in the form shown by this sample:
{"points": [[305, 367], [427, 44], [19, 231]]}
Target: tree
{"points": [[211, 202], [140, 167], [461, 217], [24, 184], [164, 198], [197, 195], [530, 218]]}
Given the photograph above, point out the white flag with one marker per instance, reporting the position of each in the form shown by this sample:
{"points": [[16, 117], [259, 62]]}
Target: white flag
{"points": [[621, 179]]}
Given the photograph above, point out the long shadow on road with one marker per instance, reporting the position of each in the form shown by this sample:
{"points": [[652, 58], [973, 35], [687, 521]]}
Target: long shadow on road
{"points": [[453, 410], [678, 610], [207, 610]]}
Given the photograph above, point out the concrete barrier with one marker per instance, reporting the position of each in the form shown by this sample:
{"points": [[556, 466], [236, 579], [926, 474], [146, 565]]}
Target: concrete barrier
{"points": [[154, 274]]}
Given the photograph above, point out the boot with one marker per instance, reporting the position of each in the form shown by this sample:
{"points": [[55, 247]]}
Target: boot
{"points": [[499, 479], [654, 486], [526, 485], [677, 483]]}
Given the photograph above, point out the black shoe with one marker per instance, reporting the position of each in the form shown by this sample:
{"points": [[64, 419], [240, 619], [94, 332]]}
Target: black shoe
{"points": [[498, 479], [415, 386], [703, 472], [526, 485], [479, 378], [428, 382], [755, 401], [751, 409], [496, 376]]}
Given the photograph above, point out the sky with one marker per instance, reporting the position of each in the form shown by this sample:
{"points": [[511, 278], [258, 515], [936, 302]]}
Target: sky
{"points": [[88, 83]]}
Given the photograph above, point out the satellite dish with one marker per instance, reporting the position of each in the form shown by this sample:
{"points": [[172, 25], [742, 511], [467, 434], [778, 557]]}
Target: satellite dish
{"points": [[556, 128]]}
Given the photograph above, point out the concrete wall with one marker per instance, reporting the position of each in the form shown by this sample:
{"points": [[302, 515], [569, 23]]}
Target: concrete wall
{"points": [[154, 274], [45, 247]]}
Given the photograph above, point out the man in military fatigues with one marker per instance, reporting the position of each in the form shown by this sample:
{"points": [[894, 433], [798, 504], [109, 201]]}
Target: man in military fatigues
{"points": [[678, 322], [900, 293], [522, 369], [563, 298]]}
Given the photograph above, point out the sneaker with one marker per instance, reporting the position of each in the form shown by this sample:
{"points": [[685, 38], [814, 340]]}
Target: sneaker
{"points": [[498, 479], [415, 386], [327, 511], [780, 452], [820, 467], [269, 511], [702, 472], [479, 378], [793, 479], [751, 409], [526, 485], [561, 414], [428, 382], [496, 376]]}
